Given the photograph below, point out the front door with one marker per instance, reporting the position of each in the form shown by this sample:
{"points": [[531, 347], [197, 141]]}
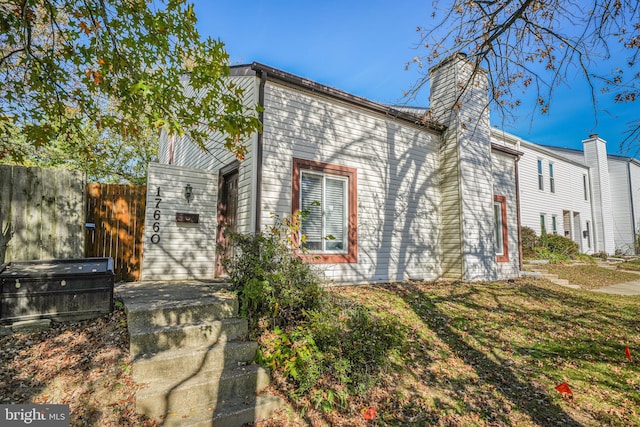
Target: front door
{"points": [[227, 217]]}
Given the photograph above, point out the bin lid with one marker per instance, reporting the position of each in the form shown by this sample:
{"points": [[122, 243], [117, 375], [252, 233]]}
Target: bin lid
{"points": [[57, 267]]}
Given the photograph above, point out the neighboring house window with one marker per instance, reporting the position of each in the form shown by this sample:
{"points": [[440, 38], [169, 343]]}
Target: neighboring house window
{"points": [[585, 187], [554, 225], [589, 234], [552, 181], [327, 193], [543, 225], [540, 176], [500, 228]]}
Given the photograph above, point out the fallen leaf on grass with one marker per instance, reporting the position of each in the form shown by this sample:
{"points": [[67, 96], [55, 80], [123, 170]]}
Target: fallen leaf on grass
{"points": [[564, 389], [370, 414]]}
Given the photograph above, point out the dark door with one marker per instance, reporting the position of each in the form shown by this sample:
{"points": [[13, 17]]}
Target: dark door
{"points": [[227, 217]]}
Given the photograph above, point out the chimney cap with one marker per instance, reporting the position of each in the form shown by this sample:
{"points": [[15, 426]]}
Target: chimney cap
{"points": [[593, 136]]}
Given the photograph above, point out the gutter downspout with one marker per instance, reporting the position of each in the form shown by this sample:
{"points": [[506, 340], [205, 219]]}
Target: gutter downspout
{"points": [[519, 221], [633, 214], [259, 149]]}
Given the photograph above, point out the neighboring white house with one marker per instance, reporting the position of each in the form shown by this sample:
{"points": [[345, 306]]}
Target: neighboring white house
{"points": [[554, 193], [404, 198], [585, 195], [614, 188], [624, 177]]}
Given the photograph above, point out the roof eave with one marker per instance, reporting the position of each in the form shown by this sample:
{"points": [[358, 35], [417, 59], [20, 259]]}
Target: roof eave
{"points": [[314, 87]]}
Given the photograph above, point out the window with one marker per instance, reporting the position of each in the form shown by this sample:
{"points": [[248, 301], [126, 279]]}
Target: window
{"points": [[554, 224], [585, 187], [500, 228], [552, 181], [328, 194], [589, 234], [540, 176], [543, 225]]}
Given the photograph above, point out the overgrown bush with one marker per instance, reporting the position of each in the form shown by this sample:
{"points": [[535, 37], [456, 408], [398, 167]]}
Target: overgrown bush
{"points": [[552, 257], [273, 284], [324, 346], [561, 245], [529, 242], [548, 246]]}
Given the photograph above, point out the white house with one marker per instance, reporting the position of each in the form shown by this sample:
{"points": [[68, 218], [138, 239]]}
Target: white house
{"points": [[585, 195], [555, 195], [624, 178], [614, 185], [404, 198]]}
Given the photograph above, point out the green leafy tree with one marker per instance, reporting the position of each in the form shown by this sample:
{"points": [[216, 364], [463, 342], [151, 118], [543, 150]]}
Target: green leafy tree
{"points": [[102, 157], [539, 44], [112, 69]]}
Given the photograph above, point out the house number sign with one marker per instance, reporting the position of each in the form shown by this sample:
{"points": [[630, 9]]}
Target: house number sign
{"points": [[155, 237]]}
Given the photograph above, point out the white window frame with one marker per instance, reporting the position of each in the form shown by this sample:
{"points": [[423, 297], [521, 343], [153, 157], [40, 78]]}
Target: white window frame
{"points": [[552, 180]]}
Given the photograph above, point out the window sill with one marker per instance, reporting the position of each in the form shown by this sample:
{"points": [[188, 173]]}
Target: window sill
{"points": [[329, 258]]}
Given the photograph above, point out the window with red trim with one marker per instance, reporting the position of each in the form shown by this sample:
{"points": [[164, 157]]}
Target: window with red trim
{"points": [[327, 195], [500, 231]]}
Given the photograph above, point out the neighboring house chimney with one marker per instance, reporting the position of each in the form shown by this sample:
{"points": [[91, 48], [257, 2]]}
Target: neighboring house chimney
{"points": [[466, 170], [595, 156]]}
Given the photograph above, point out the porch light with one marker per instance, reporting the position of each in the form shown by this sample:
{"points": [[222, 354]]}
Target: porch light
{"points": [[188, 192]]}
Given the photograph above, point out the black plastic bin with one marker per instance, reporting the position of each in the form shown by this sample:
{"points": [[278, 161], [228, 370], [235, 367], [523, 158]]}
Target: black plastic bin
{"points": [[58, 289]]}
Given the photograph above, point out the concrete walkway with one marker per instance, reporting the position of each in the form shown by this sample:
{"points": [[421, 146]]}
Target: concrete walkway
{"points": [[627, 288]]}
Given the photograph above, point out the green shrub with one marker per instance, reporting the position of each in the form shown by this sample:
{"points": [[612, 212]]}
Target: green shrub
{"points": [[305, 334], [561, 245], [547, 246], [356, 340], [529, 242], [584, 258], [274, 285], [552, 257]]}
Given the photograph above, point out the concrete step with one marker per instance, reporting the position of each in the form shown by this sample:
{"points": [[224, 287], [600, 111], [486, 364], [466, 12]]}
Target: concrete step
{"points": [[165, 303], [172, 313], [155, 339], [230, 414], [181, 397], [185, 362]]}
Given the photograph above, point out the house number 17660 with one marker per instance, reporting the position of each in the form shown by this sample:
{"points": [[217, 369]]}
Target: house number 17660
{"points": [[155, 237]]}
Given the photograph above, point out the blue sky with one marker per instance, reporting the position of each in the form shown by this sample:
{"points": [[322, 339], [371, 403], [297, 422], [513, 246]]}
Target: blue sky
{"points": [[362, 48]]}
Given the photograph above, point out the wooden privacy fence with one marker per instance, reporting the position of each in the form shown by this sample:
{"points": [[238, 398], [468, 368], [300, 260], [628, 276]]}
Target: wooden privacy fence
{"points": [[114, 224], [41, 213]]}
